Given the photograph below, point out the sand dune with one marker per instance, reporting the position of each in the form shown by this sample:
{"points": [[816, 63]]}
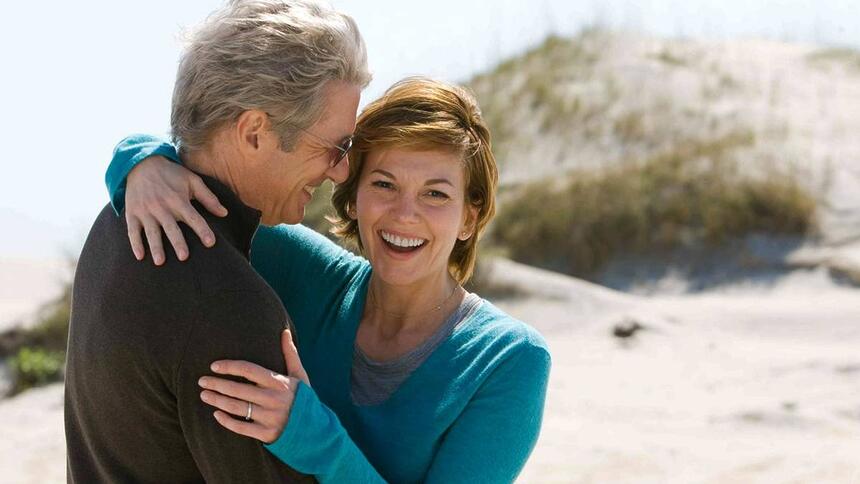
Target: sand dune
{"points": [[25, 284]]}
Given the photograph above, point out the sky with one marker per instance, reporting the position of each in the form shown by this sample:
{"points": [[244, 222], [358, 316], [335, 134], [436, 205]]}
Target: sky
{"points": [[79, 76]]}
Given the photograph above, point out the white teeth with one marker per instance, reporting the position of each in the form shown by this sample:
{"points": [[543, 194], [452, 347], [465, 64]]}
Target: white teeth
{"points": [[401, 241]]}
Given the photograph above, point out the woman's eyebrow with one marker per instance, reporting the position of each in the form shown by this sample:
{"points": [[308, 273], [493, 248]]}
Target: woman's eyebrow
{"points": [[432, 181], [384, 173], [436, 181]]}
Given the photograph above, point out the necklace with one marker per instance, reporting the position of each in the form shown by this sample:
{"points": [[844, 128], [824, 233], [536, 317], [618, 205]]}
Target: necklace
{"points": [[373, 302]]}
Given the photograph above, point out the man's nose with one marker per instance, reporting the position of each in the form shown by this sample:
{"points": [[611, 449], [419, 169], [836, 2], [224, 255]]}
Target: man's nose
{"points": [[339, 172]]}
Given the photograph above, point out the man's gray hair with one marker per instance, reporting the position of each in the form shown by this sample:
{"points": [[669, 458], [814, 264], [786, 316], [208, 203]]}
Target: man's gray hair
{"points": [[271, 55]]}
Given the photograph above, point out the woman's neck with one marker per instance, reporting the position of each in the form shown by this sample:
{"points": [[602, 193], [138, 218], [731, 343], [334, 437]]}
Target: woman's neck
{"points": [[393, 309]]}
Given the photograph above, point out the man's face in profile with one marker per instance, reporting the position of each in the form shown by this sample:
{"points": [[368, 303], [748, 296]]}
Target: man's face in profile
{"points": [[288, 178]]}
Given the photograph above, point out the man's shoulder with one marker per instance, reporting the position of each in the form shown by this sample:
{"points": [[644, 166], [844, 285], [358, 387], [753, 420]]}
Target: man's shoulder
{"points": [[107, 255], [215, 287], [111, 230]]}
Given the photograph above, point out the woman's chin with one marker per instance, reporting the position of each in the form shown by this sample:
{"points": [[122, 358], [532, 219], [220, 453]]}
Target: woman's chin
{"points": [[395, 276]]}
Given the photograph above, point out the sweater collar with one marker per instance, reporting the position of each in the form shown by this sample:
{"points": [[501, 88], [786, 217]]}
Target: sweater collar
{"points": [[241, 221]]}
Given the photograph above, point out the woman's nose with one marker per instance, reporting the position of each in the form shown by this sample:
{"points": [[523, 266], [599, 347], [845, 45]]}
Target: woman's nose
{"points": [[405, 209]]}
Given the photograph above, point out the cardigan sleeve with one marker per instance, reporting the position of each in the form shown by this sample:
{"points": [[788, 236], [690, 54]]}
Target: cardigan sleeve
{"points": [[333, 456], [310, 273], [495, 434], [127, 154]]}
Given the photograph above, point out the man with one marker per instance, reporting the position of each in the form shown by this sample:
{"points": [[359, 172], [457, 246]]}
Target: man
{"points": [[263, 107]]}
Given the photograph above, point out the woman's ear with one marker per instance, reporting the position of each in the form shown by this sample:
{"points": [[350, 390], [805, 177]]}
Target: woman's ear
{"points": [[470, 221]]}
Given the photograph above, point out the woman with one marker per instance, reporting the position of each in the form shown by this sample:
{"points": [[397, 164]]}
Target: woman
{"points": [[414, 379]]}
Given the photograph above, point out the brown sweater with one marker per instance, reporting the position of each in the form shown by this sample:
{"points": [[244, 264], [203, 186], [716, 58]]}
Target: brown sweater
{"points": [[140, 338]]}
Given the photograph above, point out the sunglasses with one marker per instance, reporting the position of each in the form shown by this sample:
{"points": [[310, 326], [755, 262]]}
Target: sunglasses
{"points": [[338, 151]]}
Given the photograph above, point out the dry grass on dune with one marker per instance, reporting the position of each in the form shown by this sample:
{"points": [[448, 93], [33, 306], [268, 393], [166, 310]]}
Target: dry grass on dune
{"points": [[694, 194]]}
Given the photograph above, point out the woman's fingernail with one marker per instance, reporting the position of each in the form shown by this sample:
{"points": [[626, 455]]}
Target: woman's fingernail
{"points": [[215, 366], [204, 396], [202, 381]]}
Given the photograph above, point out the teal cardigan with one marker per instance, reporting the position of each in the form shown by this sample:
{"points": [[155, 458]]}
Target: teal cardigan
{"points": [[470, 413]]}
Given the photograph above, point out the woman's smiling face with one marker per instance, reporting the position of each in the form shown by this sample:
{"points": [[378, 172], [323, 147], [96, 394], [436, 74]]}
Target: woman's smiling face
{"points": [[411, 209]]}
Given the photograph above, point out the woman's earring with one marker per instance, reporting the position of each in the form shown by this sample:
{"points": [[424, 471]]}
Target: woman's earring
{"points": [[464, 235], [351, 213]]}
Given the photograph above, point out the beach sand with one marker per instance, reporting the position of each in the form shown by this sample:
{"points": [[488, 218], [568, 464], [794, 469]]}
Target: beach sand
{"points": [[741, 385], [753, 386]]}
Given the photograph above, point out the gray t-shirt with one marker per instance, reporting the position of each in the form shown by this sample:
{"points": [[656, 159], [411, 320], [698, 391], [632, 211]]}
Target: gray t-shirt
{"points": [[374, 381]]}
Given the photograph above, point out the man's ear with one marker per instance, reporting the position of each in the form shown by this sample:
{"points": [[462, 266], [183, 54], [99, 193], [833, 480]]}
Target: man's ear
{"points": [[252, 131], [470, 222]]}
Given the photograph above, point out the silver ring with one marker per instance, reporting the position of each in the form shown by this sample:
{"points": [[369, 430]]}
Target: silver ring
{"points": [[250, 409]]}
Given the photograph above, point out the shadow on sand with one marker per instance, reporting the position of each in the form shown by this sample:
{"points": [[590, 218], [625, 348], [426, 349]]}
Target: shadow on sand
{"points": [[756, 260]]}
